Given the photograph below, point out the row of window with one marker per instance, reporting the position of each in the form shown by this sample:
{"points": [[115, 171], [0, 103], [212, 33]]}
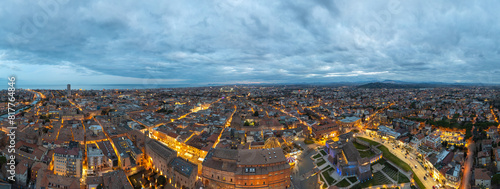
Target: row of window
{"points": [[60, 161], [223, 178], [263, 183]]}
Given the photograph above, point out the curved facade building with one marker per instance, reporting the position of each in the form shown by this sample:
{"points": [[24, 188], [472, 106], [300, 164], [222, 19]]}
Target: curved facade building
{"points": [[246, 168]]}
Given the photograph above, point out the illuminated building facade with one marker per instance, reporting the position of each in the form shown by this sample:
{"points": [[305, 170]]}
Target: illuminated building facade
{"points": [[452, 137], [344, 155], [246, 168], [325, 130], [95, 158], [159, 156], [179, 172], [350, 123], [172, 142], [67, 161]]}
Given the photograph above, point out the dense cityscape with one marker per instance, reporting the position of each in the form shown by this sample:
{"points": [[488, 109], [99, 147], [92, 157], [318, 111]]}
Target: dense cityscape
{"points": [[255, 137], [281, 94]]}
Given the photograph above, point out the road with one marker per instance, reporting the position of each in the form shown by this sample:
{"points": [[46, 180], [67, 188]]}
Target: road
{"points": [[304, 165], [468, 166], [419, 171]]}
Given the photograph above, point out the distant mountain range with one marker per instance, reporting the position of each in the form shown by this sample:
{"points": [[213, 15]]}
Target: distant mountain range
{"points": [[391, 84], [379, 85], [371, 84]]}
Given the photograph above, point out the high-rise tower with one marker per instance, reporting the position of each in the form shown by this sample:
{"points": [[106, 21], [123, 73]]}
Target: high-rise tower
{"points": [[68, 90]]}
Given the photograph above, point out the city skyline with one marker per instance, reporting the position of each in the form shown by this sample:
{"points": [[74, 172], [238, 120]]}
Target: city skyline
{"points": [[250, 94], [239, 42]]}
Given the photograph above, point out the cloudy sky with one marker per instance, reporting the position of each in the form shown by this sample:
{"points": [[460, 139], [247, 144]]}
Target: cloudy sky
{"points": [[236, 41]]}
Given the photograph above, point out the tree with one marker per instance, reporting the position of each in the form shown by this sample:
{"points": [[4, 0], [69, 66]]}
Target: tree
{"points": [[445, 143], [99, 186], [161, 180], [256, 113], [246, 123], [3, 160], [495, 179]]}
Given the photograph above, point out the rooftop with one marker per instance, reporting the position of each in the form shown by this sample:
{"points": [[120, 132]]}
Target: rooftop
{"points": [[184, 167], [481, 174], [124, 146], [67, 151], [161, 149], [350, 119]]}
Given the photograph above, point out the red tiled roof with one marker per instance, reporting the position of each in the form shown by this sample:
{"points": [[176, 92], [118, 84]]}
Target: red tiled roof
{"points": [[21, 168], [172, 134], [481, 174], [22, 143], [444, 170], [66, 151], [213, 137], [483, 154], [448, 158]]}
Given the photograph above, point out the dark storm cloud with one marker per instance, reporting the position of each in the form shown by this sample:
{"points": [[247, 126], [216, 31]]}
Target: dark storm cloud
{"points": [[257, 41]]}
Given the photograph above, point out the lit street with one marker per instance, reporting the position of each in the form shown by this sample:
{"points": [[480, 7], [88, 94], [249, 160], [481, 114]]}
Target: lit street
{"points": [[468, 166], [400, 153], [304, 165]]}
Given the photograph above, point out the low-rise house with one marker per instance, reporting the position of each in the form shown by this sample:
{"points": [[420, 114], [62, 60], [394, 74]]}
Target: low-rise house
{"points": [[453, 176], [486, 145], [433, 141], [482, 178], [483, 158], [22, 172], [496, 153]]}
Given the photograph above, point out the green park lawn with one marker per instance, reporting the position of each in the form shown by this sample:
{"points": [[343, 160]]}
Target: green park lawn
{"points": [[321, 163], [352, 179], [391, 157], [328, 178], [359, 146], [367, 153], [371, 142], [323, 152]]}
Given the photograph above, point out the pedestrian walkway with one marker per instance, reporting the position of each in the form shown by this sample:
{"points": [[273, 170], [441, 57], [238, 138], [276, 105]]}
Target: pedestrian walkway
{"points": [[402, 186], [407, 174], [385, 174]]}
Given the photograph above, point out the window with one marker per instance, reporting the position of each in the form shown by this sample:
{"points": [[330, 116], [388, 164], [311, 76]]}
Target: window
{"points": [[264, 182], [249, 170], [231, 180]]}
